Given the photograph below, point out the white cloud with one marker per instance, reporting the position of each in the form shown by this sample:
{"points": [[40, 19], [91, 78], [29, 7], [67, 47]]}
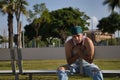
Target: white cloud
{"points": [[93, 23], [95, 20]]}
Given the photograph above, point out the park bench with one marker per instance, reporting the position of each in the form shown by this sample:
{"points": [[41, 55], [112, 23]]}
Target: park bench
{"points": [[101, 52], [19, 55]]}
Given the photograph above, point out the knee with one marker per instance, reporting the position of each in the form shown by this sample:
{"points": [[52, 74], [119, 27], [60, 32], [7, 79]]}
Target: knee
{"points": [[93, 71], [62, 74], [61, 71], [61, 68], [96, 70]]}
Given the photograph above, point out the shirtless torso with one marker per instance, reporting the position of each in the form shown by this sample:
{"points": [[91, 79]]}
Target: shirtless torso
{"points": [[84, 50]]}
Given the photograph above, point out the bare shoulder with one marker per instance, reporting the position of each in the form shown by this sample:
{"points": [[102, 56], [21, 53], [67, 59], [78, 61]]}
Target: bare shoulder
{"points": [[89, 49], [68, 46], [69, 43], [88, 40]]}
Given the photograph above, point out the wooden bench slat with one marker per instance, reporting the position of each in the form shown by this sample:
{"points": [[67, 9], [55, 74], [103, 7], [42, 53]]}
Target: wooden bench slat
{"points": [[54, 71], [8, 71], [39, 71], [51, 71], [111, 71]]}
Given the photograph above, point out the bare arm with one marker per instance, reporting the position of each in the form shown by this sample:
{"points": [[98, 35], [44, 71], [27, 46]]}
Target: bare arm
{"points": [[68, 49], [89, 52]]}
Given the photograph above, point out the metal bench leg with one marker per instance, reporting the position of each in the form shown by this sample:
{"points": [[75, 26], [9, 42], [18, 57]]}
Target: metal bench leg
{"points": [[30, 76], [81, 66], [16, 77]]}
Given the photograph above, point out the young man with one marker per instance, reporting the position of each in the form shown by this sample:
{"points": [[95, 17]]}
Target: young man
{"points": [[78, 47]]}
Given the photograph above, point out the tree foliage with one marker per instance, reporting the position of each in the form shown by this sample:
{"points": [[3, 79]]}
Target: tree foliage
{"points": [[36, 18], [11, 7], [7, 7], [110, 24], [112, 4], [63, 19], [58, 23]]}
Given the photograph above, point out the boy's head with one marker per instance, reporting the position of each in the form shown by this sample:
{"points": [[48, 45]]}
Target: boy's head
{"points": [[76, 30]]}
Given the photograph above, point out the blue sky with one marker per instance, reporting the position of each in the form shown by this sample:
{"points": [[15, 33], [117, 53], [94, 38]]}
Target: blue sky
{"points": [[93, 8], [90, 7]]}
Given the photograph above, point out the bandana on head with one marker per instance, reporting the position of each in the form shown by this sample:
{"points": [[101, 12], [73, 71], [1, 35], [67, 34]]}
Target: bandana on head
{"points": [[76, 30]]}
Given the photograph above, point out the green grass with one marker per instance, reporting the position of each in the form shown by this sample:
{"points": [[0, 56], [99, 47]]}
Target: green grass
{"points": [[53, 64]]}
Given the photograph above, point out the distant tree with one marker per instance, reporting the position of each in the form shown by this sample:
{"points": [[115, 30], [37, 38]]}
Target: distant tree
{"points": [[112, 4], [3, 40], [109, 24], [37, 28], [38, 16], [1, 37], [37, 11]]}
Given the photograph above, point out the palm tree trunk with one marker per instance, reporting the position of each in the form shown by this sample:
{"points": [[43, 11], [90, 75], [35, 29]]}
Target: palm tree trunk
{"points": [[19, 34], [10, 29]]}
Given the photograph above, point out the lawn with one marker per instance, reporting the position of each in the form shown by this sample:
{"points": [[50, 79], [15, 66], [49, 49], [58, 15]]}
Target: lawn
{"points": [[53, 64]]}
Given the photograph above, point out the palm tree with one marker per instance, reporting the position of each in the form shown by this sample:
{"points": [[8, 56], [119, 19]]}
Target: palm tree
{"points": [[7, 7], [20, 8], [112, 4]]}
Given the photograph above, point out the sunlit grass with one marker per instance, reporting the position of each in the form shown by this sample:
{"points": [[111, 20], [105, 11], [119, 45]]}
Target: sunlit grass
{"points": [[53, 64]]}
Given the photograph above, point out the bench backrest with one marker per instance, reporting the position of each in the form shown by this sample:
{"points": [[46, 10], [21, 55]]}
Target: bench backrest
{"points": [[43, 53], [101, 52], [107, 52], [5, 54]]}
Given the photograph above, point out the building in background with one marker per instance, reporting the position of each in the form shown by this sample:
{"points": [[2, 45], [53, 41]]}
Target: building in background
{"points": [[97, 36]]}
